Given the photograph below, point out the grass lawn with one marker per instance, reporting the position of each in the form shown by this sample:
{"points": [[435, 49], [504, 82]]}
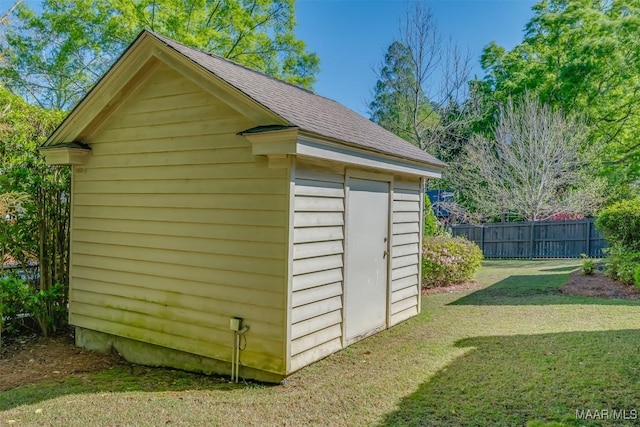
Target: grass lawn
{"points": [[513, 353]]}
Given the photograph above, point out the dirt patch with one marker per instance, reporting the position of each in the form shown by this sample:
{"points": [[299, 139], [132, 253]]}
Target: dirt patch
{"points": [[30, 359], [466, 286], [598, 285]]}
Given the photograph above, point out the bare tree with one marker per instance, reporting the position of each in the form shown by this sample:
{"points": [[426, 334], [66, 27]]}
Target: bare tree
{"points": [[422, 91], [534, 167]]}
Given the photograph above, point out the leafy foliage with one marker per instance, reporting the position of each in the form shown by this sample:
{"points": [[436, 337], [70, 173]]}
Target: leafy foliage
{"points": [[14, 293], [38, 229], [449, 260], [10, 208], [48, 307], [400, 104], [620, 224], [19, 299], [54, 56], [621, 263], [430, 221], [580, 56], [588, 265]]}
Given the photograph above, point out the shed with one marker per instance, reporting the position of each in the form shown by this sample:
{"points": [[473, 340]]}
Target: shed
{"points": [[204, 191]]}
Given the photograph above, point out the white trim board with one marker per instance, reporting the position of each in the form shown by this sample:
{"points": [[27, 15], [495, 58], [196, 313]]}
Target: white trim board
{"points": [[308, 147]]}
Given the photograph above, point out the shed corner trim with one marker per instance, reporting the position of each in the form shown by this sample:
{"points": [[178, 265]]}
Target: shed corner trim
{"points": [[71, 153]]}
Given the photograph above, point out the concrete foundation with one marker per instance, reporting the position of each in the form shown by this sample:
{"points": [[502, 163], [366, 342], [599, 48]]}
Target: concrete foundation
{"points": [[142, 353]]}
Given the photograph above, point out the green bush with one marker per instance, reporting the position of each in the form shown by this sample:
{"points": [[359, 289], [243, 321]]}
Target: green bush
{"points": [[620, 224], [430, 221], [14, 293], [47, 308], [449, 260], [621, 263], [17, 299], [588, 265]]}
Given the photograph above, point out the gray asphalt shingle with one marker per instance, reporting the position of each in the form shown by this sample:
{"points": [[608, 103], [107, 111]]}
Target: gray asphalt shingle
{"points": [[302, 108]]}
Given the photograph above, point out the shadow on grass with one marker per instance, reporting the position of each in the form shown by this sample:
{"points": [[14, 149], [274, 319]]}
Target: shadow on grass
{"points": [[511, 381], [532, 290], [560, 269], [125, 378]]}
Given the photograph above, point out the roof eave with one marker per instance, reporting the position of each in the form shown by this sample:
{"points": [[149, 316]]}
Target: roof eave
{"points": [[290, 141], [70, 153], [60, 133], [272, 140], [418, 164]]}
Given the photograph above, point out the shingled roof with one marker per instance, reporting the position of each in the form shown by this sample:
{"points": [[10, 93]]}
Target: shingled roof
{"points": [[309, 112]]}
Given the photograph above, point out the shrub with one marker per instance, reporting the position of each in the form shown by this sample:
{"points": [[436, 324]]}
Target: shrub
{"points": [[588, 265], [449, 260], [47, 308], [430, 221], [18, 300], [14, 293], [620, 223], [621, 263]]}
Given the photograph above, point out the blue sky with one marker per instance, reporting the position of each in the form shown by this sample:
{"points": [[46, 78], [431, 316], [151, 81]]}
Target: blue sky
{"points": [[351, 36]]}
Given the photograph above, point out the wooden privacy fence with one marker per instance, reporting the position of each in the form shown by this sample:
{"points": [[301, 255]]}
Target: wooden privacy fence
{"points": [[549, 239]]}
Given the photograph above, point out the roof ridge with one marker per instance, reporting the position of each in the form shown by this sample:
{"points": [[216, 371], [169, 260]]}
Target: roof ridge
{"points": [[220, 57]]}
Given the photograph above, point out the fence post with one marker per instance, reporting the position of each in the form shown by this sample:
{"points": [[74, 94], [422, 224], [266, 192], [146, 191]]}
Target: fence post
{"points": [[588, 224], [482, 238], [531, 242]]}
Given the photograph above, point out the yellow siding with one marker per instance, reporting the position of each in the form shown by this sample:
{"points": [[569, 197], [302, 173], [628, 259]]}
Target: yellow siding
{"points": [[405, 283], [177, 227], [317, 282]]}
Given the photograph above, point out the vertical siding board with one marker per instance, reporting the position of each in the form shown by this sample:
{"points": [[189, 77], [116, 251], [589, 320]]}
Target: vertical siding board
{"points": [[317, 263], [408, 203]]}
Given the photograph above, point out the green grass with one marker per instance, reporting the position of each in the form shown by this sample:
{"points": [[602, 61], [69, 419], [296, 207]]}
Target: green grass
{"points": [[126, 378], [528, 283], [512, 380], [513, 353]]}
